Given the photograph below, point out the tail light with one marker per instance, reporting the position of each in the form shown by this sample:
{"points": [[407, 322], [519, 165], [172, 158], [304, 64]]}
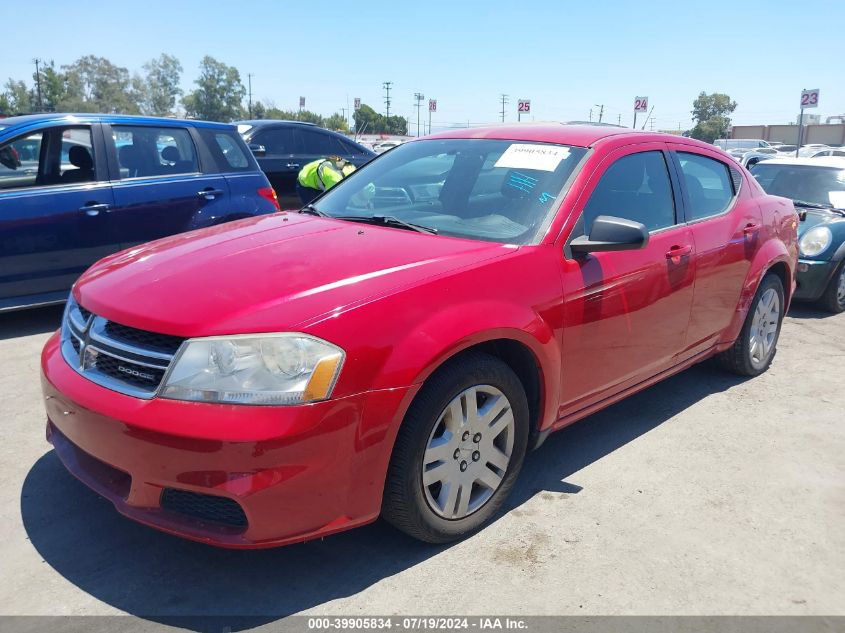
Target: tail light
{"points": [[268, 193]]}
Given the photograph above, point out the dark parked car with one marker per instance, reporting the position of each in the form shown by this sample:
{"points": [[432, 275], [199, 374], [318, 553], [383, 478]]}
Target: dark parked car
{"points": [[283, 147], [817, 188], [75, 188]]}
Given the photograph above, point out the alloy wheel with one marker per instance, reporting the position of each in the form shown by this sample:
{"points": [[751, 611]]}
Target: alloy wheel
{"points": [[764, 328], [468, 452]]}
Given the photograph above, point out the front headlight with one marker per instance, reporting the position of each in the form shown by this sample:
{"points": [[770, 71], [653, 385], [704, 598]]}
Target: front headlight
{"points": [[815, 241], [268, 369]]}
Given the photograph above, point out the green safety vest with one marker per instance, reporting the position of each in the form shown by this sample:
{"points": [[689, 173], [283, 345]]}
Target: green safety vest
{"points": [[324, 173]]}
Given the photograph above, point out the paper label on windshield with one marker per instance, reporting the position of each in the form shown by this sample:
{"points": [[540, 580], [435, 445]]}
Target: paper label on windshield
{"points": [[527, 156], [837, 199]]}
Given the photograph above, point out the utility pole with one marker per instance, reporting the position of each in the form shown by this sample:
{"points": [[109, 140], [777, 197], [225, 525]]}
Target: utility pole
{"points": [[601, 110], [249, 80], [418, 97], [591, 115], [343, 111], [37, 61], [386, 85], [619, 120], [504, 103]]}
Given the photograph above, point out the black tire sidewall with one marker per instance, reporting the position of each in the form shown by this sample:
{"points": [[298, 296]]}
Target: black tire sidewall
{"points": [[437, 393]]}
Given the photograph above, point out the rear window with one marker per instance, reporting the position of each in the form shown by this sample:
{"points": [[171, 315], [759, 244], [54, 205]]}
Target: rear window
{"points": [[228, 150]]}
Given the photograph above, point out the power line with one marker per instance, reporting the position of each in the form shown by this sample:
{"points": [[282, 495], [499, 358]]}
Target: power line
{"points": [[504, 103]]}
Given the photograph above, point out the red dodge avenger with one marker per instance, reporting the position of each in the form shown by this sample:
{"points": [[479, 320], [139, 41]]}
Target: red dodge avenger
{"points": [[395, 348]]}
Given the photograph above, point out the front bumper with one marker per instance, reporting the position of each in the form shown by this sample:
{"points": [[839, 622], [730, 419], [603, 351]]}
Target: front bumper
{"points": [[295, 473], [812, 277]]}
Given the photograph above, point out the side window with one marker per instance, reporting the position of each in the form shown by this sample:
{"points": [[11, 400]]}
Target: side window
{"points": [[708, 183], [57, 156], [144, 152], [19, 162], [635, 187], [228, 150], [277, 141], [349, 148], [314, 142]]}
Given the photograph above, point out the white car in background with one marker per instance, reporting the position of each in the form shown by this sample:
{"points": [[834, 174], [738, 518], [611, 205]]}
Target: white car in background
{"points": [[833, 151], [812, 149], [383, 146]]}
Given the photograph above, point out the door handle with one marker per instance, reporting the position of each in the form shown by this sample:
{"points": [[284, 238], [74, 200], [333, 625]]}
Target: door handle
{"points": [[292, 165], [93, 208], [750, 229], [678, 251], [210, 194]]}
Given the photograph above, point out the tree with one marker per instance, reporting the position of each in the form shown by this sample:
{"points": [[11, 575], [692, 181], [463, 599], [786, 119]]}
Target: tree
{"points": [[219, 92], [336, 122], [368, 121], [309, 117], [711, 114], [259, 110], [96, 85], [18, 97], [160, 87]]}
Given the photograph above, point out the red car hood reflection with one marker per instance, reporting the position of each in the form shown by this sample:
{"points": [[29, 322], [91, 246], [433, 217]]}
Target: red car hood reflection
{"points": [[265, 274]]}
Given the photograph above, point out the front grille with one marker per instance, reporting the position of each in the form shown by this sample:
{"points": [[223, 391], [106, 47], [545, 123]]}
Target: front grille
{"points": [[122, 358], [141, 338], [139, 375], [210, 508]]}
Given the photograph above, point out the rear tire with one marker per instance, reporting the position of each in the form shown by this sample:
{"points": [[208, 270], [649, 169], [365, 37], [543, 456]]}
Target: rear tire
{"points": [[833, 299], [755, 347], [459, 450]]}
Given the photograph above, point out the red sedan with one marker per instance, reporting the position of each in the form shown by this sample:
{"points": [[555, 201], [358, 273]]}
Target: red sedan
{"points": [[395, 348]]}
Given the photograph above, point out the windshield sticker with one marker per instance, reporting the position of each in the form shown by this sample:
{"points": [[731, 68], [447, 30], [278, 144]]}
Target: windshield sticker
{"points": [[522, 182], [546, 197], [837, 199], [526, 156]]}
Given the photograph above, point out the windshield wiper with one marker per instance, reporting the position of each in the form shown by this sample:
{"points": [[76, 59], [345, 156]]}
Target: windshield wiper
{"points": [[388, 220], [310, 209], [811, 205]]}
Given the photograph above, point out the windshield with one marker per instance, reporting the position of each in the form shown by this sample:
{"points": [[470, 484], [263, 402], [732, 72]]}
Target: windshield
{"points": [[807, 183], [501, 191]]}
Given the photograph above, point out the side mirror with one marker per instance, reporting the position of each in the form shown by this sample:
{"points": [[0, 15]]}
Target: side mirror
{"points": [[610, 233], [257, 150]]}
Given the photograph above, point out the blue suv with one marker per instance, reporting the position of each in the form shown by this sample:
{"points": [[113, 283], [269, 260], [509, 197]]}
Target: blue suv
{"points": [[75, 188]]}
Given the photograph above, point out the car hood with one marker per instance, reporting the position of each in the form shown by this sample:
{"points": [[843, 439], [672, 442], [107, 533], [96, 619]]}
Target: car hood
{"points": [[266, 274], [815, 217]]}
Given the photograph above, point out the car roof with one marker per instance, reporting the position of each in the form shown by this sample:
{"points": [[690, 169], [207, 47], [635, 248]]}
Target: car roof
{"points": [[28, 119], [263, 122], [562, 133], [821, 161]]}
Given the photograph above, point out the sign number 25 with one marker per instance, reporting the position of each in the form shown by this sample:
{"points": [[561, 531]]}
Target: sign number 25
{"points": [[810, 99]]}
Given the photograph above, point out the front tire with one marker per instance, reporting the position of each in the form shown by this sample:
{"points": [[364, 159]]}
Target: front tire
{"points": [[755, 347], [833, 299], [459, 450]]}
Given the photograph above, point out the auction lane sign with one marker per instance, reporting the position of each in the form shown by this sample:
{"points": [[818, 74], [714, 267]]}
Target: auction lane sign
{"points": [[810, 98]]}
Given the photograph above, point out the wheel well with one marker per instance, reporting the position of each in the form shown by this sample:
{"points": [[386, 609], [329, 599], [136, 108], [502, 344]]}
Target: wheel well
{"points": [[522, 361], [782, 271]]}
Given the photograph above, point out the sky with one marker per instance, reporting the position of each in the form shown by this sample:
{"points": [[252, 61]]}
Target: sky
{"points": [[567, 57]]}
